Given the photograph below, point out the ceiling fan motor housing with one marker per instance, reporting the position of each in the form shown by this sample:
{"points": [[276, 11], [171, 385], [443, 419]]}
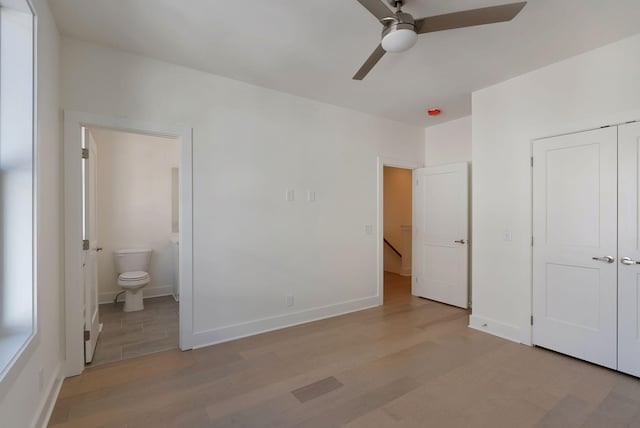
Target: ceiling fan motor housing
{"points": [[399, 32]]}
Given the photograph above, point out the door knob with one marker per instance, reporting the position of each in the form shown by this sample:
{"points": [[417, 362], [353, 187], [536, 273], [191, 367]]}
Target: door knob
{"points": [[607, 259], [459, 241], [629, 261]]}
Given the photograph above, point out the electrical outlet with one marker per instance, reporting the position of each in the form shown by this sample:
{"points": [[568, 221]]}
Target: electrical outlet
{"points": [[368, 229], [507, 236], [290, 300]]}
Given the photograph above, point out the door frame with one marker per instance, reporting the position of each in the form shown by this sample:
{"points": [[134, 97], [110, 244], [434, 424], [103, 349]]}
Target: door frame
{"points": [[395, 163], [73, 122]]}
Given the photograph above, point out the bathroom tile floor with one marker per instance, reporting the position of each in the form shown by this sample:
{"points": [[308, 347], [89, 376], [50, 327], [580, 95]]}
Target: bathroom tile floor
{"points": [[131, 334]]}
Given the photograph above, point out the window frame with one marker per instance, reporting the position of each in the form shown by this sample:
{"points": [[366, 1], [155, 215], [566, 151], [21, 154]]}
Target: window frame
{"points": [[11, 371]]}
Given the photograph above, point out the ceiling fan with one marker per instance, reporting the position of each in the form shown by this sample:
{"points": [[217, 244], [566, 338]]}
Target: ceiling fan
{"points": [[400, 30]]}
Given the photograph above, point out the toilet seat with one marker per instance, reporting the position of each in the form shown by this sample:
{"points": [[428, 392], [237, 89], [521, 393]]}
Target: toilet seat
{"points": [[133, 276], [133, 279]]}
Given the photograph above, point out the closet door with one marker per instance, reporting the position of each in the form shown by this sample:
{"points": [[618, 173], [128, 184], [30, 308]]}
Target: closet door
{"points": [[575, 249], [629, 249]]}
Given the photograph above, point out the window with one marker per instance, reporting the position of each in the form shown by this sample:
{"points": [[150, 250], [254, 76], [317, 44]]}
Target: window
{"points": [[17, 290]]}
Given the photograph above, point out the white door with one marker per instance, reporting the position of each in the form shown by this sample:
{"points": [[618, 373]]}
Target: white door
{"points": [[441, 222], [629, 249], [575, 245], [89, 255]]}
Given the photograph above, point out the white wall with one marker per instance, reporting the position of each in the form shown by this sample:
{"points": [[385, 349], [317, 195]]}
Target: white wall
{"points": [[135, 205], [251, 247], [27, 395], [448, 142], [397, 219], [594, 89]]}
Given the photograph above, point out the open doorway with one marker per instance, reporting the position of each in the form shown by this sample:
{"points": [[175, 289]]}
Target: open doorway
{"points": [[397, 227], [131, 226], [436, 233], [98, 257]]}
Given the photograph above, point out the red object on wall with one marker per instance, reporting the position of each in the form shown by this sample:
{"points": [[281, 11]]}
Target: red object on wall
{"points": [[434, 111]]}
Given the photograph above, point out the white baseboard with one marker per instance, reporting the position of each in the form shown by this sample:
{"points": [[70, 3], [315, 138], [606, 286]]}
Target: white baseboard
{"points": [[250, 328], [506, 331], [46, 407], [405, 271], [156, 291], [400, 271]]}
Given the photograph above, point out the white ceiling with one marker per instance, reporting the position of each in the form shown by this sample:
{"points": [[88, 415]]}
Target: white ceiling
{"points": [[312, 48]]}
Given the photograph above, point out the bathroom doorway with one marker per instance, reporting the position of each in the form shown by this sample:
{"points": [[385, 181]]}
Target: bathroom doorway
{"points": [[133, 200], [129, 199]]}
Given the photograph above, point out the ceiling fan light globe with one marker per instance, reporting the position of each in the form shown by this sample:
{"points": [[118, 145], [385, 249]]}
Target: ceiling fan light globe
{"points": [[399, 40]]}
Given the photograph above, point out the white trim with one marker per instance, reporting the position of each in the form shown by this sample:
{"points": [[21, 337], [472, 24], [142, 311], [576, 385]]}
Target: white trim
{"points": [[45, 409], [35, 209], [147, 293], [23, 6], [401, 271], [263, 325], [395, 163], [530, 339], [506, 331], [73, 121], [14, 367]]}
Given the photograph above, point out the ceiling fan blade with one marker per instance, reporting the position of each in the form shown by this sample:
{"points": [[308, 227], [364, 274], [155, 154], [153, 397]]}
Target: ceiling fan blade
{"points": [[369, 63], [377, 8], [469, 18]]}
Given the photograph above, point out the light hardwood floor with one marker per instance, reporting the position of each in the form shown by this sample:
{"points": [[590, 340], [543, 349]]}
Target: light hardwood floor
{"points": [[410, 363]]}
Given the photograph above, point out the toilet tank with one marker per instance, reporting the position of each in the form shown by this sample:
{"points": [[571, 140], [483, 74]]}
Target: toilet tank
{"points": [[132, 259]]}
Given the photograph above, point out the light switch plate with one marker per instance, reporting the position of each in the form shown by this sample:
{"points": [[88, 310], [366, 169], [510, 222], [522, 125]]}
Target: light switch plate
{"points": [[311, 196], [368, 229], [507, 236], [290, 195]]}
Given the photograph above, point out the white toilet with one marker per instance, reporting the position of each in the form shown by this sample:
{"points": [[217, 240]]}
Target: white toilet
{"points": [[132, 266]]}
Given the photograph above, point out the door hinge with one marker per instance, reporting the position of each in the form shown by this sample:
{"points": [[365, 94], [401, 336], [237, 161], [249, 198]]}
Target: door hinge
{"points": [[87, 335], [416, 279], [85, 244], [532, 161], [532, 241], [531, 319], [85, 153]]}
